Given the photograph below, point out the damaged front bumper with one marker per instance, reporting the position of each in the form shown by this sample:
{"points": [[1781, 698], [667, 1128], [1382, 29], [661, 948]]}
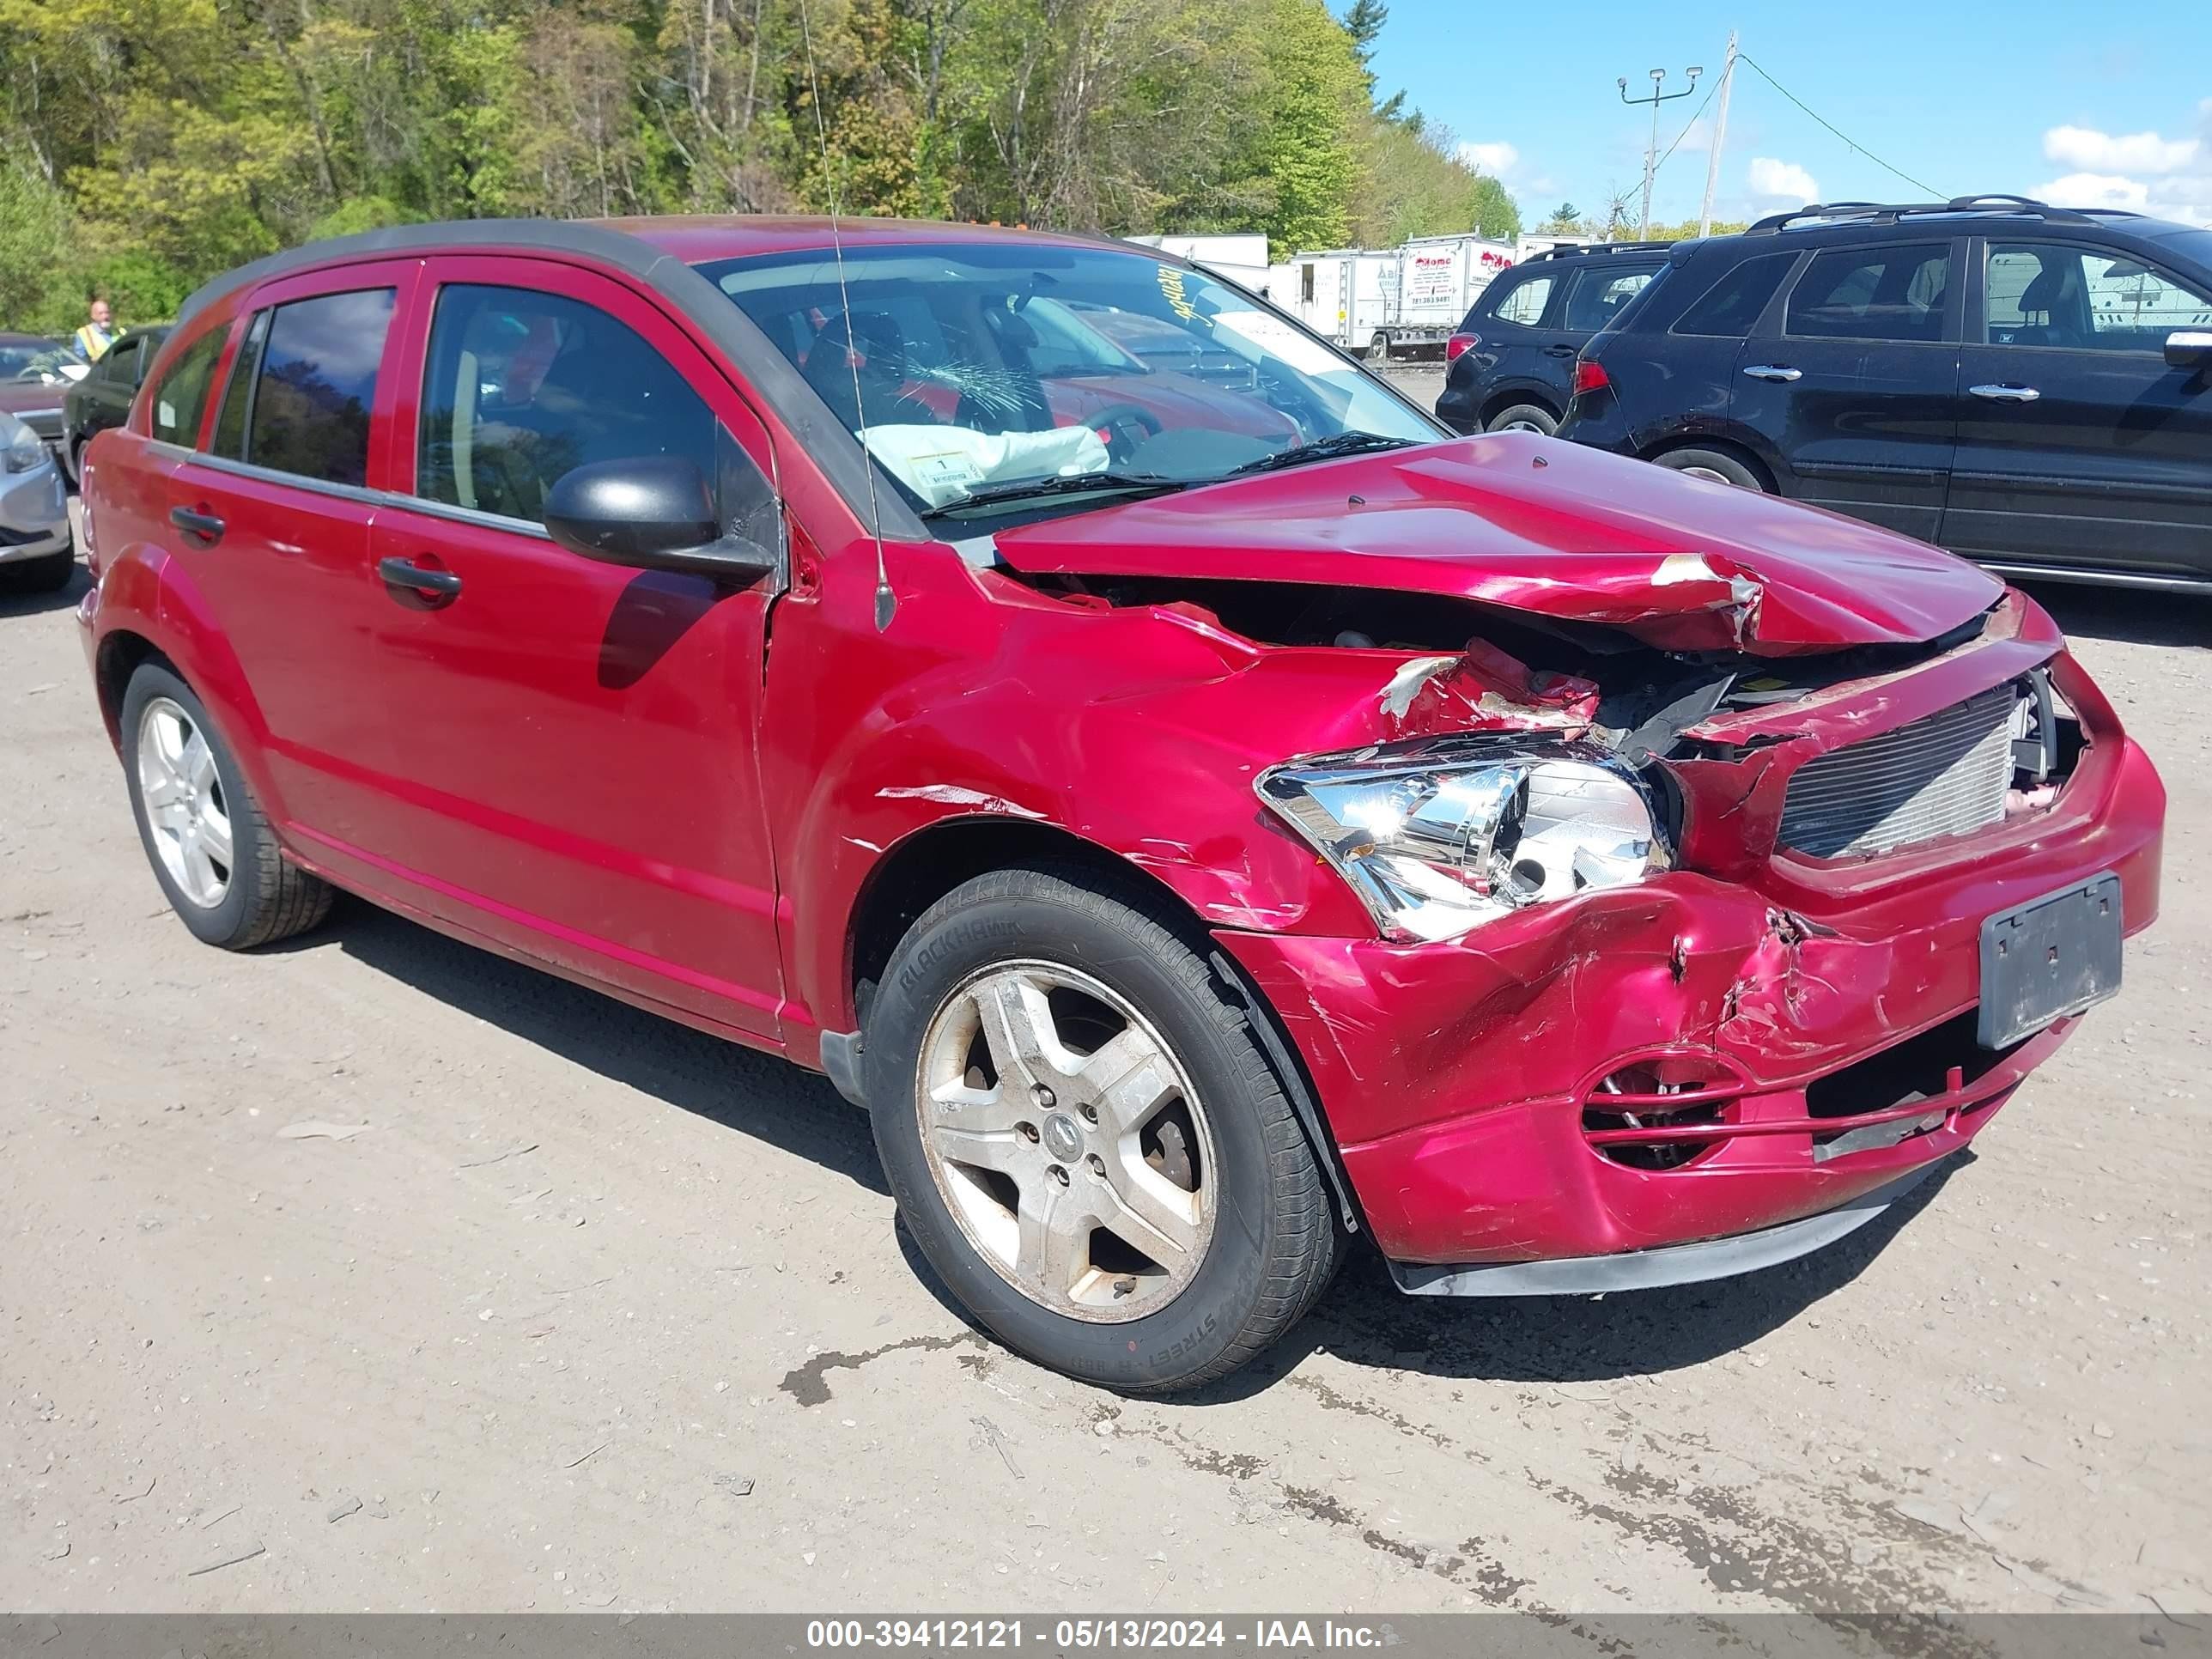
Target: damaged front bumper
{"points": [[1715, 1052]]}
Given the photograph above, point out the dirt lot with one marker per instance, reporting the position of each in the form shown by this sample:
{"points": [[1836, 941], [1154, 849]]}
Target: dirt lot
{"points": [[598, 1312]]}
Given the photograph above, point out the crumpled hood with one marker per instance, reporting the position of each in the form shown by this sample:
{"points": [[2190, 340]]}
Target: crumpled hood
{"points": [[1539, 525]]}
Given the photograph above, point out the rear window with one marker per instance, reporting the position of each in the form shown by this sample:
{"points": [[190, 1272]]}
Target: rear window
{"points": [[1602, 293], [1733, 305], [306, 411], [1872, 294], [1525, 301], [181, 398]]}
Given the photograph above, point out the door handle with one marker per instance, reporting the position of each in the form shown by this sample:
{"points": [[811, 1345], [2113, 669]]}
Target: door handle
{"points": [[428, 586], [1774, 372], [2006, 394], [193, 522], [1560, 350]]}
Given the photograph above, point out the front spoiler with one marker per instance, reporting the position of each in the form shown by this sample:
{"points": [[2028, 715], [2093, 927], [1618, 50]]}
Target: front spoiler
{"points": [[1670, 1264]]}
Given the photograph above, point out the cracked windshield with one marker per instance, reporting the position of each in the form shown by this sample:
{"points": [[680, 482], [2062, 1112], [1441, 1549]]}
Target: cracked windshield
{"points": [[979, 375]]}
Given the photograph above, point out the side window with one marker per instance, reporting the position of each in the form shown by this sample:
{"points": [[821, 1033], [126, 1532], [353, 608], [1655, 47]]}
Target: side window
{"points": [[1525, 303], [238, 396], [1872, 294], [314, 385], [1599, 294], [1732, 307], [2052, 294], [119, 363], [181, 398], [521, 386], [1306, 283]]}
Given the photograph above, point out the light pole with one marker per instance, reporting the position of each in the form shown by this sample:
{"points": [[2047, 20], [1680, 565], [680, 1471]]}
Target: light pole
{"points": [[1651, 154]]}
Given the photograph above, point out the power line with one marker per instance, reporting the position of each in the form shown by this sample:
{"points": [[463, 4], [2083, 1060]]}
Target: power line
{"points": [[1855, 148], [1684, 132]]}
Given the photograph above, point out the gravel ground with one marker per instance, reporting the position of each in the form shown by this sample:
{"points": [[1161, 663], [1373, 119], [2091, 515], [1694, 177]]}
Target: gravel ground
{"points": [[599, 1313]]}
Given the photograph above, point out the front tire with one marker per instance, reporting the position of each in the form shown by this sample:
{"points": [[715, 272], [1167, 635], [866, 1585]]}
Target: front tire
{"points": [[203, 832], [1085, 1138]]}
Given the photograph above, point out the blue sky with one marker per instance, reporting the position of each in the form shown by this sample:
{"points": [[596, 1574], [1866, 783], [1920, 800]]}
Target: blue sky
{"points": [[2097, 105]]}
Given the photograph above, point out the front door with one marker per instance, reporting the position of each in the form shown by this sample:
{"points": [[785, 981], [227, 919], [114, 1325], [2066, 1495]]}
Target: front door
{"points": [[2078, 446], [569, 747], [1855, 392]]}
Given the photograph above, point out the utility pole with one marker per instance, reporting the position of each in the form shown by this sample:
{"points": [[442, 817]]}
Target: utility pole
{"points": [[1720, 137], [1651, 154]]}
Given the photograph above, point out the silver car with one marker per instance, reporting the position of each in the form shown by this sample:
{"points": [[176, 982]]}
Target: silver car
{"points": [[36, 555]]}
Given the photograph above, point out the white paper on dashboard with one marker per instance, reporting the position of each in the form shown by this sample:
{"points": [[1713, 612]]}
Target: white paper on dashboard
{"points": [[941, 464]]}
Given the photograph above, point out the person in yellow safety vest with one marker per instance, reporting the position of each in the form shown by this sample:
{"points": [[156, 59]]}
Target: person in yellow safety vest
{"points": [[93, 340]]}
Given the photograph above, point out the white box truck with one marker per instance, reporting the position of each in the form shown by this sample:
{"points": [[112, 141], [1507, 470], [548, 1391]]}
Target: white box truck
{"points": [[1397, 302]]}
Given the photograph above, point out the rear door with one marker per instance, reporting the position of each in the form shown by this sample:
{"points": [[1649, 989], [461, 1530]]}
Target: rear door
{"points": [[1515, 353], [2078, 446], [1852, 387], [270, 517], [568, 749]]}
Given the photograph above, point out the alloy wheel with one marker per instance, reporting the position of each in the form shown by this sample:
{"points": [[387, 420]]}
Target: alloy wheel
{"points": [[1067, 1140], [184, 802]]}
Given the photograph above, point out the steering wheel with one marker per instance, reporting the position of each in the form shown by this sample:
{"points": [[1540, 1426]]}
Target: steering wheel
{"points": [[1123, 426]]}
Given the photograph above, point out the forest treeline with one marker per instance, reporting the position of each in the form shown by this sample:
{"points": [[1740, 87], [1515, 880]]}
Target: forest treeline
{"points": [[147, 144]]}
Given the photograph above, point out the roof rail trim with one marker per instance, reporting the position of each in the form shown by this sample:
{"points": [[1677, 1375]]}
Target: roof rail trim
{"points": [[1813, 215]]}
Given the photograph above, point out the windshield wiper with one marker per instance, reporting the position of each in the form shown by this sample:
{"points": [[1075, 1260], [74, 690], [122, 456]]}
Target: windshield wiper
{"points": [[1103, 484], [1322, 449]]}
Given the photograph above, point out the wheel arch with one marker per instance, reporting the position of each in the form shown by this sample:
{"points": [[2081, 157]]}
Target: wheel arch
{"points": [[1499, 399], [924, 867], [120, 655], [1760, 467]]}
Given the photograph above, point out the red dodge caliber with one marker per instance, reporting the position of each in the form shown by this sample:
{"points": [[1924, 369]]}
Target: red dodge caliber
{"points": [[1200, 808]]}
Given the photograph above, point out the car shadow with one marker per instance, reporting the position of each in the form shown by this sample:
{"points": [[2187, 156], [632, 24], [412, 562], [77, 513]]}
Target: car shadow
{"points": [[33, 604], [755, 1094], [1364, 1320], [2126, 615]]}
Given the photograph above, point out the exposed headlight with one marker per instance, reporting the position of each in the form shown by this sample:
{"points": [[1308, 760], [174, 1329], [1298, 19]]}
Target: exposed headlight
{"points": [[22, 449], [1440, 834]]}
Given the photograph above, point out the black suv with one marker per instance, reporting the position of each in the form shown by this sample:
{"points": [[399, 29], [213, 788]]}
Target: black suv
{"points": [[2027, 385], [1512, 361]]}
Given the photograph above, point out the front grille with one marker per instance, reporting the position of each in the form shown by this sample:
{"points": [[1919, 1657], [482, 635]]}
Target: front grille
{"points": [[1944, 776]]}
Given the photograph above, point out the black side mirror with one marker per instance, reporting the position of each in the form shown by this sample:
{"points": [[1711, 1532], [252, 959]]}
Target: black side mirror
{"points": [[653, 513], [2189, 348]]}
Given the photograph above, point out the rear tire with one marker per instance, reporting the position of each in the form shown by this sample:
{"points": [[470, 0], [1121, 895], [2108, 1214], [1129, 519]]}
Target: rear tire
{"points": [[1715, 464], [205, 834], [1378, 347], [48, 574], [990, 1162], [1524, 417]]}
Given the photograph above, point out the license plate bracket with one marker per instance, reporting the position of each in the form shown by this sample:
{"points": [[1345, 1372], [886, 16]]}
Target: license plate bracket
{"points": [[2049, 957]]}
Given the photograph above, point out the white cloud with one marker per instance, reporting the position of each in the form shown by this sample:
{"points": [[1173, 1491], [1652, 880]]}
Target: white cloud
{"points": [[1782, 178], [2094, 189], [2094, 152], [1497, 159], [2139, 172]]}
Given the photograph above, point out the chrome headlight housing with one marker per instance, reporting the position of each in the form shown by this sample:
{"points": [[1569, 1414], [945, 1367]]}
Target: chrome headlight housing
{"points": [[1440, 834], [20, 447]]}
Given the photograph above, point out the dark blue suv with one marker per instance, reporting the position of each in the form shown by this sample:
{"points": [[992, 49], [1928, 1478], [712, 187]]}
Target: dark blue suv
{"points": [[1511, 363], [2027, 385]]}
